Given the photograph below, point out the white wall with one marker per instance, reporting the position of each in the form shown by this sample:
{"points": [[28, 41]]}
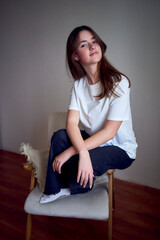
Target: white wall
{"points": [[33, 78]]}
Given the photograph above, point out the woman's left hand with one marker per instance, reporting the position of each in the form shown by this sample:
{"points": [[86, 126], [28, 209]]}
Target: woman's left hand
{"points": [[85, 169], [60, 160]]}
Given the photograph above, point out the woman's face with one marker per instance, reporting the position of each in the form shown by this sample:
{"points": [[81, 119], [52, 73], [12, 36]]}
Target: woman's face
{"points": [[88, 51]]}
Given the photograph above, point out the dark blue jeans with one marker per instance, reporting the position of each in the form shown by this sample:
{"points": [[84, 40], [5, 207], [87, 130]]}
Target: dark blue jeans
{"points": [[103, 158]]}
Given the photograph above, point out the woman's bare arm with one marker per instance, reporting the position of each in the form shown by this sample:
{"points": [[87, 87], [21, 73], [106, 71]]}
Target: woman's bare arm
{"points": [[107, 133]]}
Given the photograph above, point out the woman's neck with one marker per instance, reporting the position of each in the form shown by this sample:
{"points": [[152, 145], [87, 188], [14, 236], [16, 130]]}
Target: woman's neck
{"points": [[92, 74]]}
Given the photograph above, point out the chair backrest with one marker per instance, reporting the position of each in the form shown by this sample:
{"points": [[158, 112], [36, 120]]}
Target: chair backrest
{"points": [[57, 120]]}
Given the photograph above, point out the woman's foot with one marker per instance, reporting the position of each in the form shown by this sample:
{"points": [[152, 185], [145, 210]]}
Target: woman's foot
{"points": [[53, 197]]}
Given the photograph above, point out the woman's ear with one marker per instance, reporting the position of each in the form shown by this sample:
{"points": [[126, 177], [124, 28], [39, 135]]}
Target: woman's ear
{"points": [[76, 58]]}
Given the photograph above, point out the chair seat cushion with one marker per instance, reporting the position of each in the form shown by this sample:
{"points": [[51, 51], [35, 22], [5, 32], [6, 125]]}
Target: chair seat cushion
{"points": [[90, 205]]}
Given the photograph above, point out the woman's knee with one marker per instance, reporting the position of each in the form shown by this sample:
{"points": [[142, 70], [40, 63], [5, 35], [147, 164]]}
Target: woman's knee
{"points": [[59, 135], [60, 138]]}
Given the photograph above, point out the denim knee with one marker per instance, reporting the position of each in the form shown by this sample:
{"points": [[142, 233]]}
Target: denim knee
{"points": [[60, 141], [59, 136]]}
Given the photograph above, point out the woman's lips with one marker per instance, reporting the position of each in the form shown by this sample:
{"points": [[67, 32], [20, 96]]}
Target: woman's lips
{"points": [[93, 53]]}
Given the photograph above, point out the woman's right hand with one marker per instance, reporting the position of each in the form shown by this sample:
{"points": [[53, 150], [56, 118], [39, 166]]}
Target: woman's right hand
{"points": [[60, 160], [85, 169]]}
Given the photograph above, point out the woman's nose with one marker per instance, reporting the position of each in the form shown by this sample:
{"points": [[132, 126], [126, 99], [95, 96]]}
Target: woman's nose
{"points": [[91, 46]]}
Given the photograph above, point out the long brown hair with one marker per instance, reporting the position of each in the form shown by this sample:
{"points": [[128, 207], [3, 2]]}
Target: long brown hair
{"points": [[108, 74]]}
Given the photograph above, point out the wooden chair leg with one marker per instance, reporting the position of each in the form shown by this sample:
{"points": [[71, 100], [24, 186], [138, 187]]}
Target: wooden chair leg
{"points": [[110, 229], [111, 200], [29, 226], [29, 216]]}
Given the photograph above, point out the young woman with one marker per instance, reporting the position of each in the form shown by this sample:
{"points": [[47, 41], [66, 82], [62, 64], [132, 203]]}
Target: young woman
{"points": [[100, 100]]}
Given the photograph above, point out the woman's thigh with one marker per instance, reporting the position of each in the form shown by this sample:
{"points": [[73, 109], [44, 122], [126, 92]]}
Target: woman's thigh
{"points": [[103, 158], [109, 157]]}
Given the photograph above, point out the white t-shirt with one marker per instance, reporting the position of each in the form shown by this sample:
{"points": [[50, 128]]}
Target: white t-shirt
{"points": [[94, 112]]}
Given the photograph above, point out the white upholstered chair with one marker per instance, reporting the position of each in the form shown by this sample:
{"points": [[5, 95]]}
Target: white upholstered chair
{"points": [[96, 204]]}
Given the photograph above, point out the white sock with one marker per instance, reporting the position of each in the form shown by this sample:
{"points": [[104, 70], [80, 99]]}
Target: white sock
{"points": [[53, 197]]}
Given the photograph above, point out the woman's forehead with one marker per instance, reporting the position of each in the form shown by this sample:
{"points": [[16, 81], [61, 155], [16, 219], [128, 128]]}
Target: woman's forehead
{"points": [[85, 35]]}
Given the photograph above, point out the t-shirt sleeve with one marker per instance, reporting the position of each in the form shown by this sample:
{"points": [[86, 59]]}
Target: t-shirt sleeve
{"points": [[73, 99], [119, 108]]}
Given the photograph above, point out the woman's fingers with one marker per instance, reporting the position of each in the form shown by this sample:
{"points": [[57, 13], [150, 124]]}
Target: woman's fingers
{"points": [[59, 165], [60, 160], [90, 180], [84, 177], [85, 181], [78, 176], [56, 165]]}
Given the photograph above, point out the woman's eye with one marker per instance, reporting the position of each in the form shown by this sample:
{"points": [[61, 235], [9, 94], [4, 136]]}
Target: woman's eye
{"points": [[84, 45], [94, 42]]}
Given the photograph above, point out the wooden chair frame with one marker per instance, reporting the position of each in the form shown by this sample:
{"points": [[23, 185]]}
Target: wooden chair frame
{"points": [[110, 173]]}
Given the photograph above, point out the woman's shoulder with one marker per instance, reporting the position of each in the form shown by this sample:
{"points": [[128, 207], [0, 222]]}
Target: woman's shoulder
{"points": [[123, 83], [122, 87]]}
